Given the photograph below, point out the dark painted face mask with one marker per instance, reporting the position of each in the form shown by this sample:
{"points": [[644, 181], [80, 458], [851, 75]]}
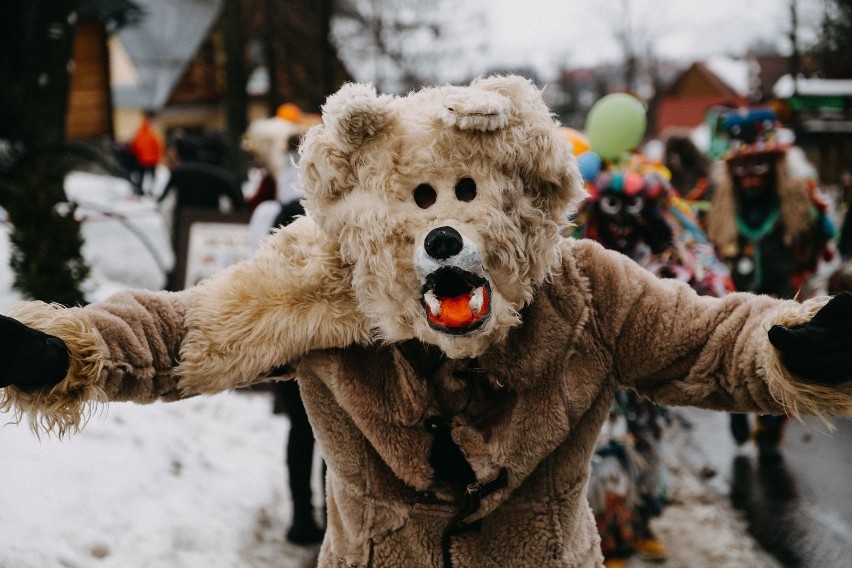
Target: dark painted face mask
{"points": [[754, 180], [620, 220]]}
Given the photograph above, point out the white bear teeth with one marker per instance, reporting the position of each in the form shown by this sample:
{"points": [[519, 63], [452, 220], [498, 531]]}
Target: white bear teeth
{"points": [[477, 298], [433, 302]]}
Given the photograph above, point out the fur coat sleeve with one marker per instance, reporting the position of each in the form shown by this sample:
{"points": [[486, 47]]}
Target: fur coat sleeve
{"points": [[679, 348], [230, 331]]}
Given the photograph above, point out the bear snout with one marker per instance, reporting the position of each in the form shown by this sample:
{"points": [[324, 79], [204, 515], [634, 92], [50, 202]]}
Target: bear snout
{"points": [[443, 242]]}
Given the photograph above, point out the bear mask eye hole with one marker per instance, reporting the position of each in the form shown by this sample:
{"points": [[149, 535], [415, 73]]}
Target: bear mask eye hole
{"points": [[466, 189], [425, 195]]}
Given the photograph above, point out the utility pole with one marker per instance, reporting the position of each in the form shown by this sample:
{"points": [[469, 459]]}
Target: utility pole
{"points": [[795, 66], [327, 52], [795, 56], [236, 97], [270, 31]]}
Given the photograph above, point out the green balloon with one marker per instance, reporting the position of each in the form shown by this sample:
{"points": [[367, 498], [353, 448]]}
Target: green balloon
{"points": [[615, 124]]}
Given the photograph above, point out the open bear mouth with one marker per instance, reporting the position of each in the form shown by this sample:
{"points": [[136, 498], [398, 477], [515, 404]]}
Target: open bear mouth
{"points": [[456, 301]]}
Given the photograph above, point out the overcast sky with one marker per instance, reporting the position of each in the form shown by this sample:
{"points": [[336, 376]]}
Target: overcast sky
{"points": [[548, 33]]}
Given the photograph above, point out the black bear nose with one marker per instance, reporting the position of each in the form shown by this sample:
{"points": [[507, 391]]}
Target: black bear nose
{"points": [[443, 242]]}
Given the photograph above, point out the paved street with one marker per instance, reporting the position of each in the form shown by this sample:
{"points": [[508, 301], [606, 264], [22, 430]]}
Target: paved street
{"points": [[799, 510]]}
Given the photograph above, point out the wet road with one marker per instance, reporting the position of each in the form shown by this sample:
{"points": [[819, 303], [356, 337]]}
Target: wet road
{"points": [[799, 509]]}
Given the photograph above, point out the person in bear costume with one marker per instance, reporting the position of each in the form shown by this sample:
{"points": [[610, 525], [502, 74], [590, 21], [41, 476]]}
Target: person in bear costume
{"points": [[456, 355]]}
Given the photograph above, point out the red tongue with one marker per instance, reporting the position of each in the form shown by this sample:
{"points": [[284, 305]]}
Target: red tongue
{"points": [[455, 312]]}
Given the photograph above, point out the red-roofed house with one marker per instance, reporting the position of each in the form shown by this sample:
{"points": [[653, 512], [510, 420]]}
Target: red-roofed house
{"points": [[683, 105]]}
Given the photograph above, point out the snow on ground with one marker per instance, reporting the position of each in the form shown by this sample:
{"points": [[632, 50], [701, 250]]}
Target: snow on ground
{"points": [[196, 483], [201, 483], [126, 238], [700, 529]]}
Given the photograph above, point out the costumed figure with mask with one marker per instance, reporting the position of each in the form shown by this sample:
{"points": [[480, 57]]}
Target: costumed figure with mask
{"points": [[635, 210], [690, 172], [769, 226]]}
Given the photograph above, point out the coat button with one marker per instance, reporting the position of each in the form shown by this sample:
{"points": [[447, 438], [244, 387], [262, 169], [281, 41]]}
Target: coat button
{"points": [[432, 424]]}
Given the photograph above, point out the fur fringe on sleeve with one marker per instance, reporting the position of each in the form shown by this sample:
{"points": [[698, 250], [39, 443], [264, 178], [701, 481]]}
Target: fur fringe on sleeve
{"points": [[63, 408], [294, 296], [798, 396]]}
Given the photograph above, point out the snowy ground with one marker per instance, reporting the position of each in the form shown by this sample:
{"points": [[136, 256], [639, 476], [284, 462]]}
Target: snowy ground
{"points": [[193, 484], [201, 483], [700, 529]]}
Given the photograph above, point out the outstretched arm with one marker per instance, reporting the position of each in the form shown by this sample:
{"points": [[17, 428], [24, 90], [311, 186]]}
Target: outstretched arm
{"points": [[295, 295], [230, 331], [65, 359], [679, 348]]}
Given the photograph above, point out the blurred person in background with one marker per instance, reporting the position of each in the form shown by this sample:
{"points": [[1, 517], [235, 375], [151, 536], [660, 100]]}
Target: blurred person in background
{"points": [[198, 181], [690, 172], [770, 227], [299, 449], [272, 146], [147, 149], [634, 210], [845, 241]]}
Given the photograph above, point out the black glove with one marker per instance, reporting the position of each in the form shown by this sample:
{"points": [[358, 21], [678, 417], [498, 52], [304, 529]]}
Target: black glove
{"points": [[30, 359], [819, 351]]}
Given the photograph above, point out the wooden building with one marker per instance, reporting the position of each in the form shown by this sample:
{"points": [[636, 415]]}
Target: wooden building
{"points": [[89, 112], [286, 45], [54, 68]]}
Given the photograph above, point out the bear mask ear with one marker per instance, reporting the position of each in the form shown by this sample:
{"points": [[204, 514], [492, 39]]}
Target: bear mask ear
{"points": [[470, 109], [354, 114]]}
